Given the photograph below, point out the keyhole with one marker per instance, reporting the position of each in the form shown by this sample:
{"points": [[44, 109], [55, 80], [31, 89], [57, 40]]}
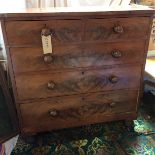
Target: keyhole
{"points": [[82, 72]]}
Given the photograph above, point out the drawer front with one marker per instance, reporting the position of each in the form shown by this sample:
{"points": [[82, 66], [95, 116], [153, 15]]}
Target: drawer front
{"points": [[45, 85], [117, 29], [63, 112], [28, 33], [88, 55]]}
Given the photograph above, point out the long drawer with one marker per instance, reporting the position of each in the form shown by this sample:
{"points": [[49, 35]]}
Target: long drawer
{"points": [[73, 56], [43, 85], [63, 112], [28, 33]]}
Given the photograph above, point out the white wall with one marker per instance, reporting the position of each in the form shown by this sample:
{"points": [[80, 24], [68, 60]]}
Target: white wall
{"points": [[12, 3]]}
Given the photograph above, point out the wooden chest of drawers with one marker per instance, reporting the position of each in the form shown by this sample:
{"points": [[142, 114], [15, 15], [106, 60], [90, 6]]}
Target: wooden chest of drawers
{"points": [[93, 74]]}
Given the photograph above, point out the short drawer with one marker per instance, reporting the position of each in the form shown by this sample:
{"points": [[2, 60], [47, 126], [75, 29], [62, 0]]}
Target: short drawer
{"points": [[64, 112], [77, 56], [117, 29], [43, 85], [28, 33]]}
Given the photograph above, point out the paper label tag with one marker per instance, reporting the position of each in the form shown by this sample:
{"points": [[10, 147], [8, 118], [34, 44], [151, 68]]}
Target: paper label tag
{"points": [[47, 44]]}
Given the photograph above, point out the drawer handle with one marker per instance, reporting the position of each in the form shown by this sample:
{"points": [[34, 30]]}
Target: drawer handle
{"points": [[46, 32], [113, 79], [53, 113], [48, 58], [51, 85], [112, 104], [116, 54], [118, 29]]}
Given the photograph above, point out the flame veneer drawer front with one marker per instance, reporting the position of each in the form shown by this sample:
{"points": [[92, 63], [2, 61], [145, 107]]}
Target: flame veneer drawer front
{"points": [[62, 112], [28, 33], [77, 56], [43, 85], [117, 29]]}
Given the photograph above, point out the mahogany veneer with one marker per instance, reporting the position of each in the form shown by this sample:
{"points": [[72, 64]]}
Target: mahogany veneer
{"points": [[93, 73]]}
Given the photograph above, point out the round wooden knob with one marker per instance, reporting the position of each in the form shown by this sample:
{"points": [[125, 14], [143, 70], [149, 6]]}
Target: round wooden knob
{"points": [[51, 85], [116, 54], [118, 29], [53, 113], [113, 79], [46, 32], [112, 104], [48, 58]]}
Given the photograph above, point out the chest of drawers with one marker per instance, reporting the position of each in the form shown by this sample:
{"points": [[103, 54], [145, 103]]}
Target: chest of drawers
{"points": [[93, 73]]}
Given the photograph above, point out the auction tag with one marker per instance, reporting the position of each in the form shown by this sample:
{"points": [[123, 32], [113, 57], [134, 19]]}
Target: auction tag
{"points": [[47, 44]]}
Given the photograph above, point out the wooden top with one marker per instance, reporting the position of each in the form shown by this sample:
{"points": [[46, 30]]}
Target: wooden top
{"points": [[72, 11]]}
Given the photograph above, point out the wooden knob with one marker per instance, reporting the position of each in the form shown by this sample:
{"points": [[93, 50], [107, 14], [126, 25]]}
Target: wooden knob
{"points": [[118, 29], [112, 104], [53, 113], [46, 32], [113, 79], [51, 85], [116, 54], [48, 58]]}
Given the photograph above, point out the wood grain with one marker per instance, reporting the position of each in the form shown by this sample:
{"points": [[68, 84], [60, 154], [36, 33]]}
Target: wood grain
{"points": [[76, 110], [77, 56], [35, 86], [27, 33], [95, 50], [103, 29]]}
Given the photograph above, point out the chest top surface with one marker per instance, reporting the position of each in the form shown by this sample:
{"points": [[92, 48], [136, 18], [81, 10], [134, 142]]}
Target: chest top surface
{"points": [[68, 10]]}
